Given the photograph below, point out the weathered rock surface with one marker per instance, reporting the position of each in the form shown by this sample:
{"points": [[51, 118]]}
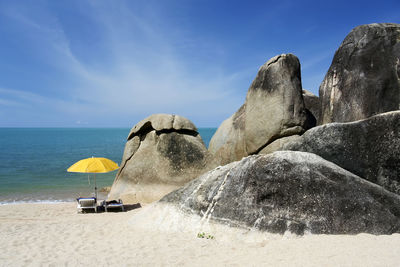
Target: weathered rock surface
{"points": [[312, 104], [278, 143], [274, 108], [363, 79], [163, 152], [369, 148], [289, 191]]}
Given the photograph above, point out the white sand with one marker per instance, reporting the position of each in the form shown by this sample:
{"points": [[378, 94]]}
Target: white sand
{"points": [[55, 235]]}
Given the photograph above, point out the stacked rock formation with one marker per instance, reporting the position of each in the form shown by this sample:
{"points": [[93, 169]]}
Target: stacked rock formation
{"points": [[347, 179], [338, 178]]}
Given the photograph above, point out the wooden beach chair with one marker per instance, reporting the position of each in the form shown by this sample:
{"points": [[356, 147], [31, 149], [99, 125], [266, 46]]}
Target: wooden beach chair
{"points": [[87, 203]]}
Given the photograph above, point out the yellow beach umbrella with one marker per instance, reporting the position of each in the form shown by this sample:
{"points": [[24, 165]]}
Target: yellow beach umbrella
{"points": [[94, 165]]}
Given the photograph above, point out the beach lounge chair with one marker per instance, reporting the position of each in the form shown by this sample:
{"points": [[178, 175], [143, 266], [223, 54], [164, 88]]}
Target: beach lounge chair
{"points": [[87, 203], [113, 205]]}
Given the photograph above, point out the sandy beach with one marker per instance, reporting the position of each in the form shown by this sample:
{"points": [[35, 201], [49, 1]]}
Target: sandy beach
{"points": [[55, 235]]}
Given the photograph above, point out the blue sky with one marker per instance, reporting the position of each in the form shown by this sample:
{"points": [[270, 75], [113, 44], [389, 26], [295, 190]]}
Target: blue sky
{"points": [[112, 63]]}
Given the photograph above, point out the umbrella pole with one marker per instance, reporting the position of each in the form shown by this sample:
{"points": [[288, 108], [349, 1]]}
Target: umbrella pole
{"points": [[95, 187]]}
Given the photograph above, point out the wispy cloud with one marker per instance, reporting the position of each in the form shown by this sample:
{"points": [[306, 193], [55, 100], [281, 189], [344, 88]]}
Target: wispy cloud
{"points": [[145, 75], [28, 101]]}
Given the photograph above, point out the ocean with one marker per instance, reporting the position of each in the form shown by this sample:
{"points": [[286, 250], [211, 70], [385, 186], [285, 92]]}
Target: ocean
{"points": [[34, 161]]}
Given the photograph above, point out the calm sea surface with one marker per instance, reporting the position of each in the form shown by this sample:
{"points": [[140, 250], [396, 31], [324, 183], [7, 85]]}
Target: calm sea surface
{"points": [[34, 161]]}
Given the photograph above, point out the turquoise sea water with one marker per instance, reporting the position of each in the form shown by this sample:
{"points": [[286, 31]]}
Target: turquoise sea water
{"points": [[34, 161]]}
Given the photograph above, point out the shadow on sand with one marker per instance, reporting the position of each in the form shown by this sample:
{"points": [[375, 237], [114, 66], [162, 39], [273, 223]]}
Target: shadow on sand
{"points": [[127, 207]]}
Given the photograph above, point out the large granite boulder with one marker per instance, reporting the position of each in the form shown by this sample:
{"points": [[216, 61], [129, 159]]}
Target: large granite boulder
{"points": [[274, 108], [363, 79], [288, 191], [162, 153], [369, 148]]}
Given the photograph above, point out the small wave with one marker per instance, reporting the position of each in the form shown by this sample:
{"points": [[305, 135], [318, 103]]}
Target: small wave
{"points": [[47, 201]]}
